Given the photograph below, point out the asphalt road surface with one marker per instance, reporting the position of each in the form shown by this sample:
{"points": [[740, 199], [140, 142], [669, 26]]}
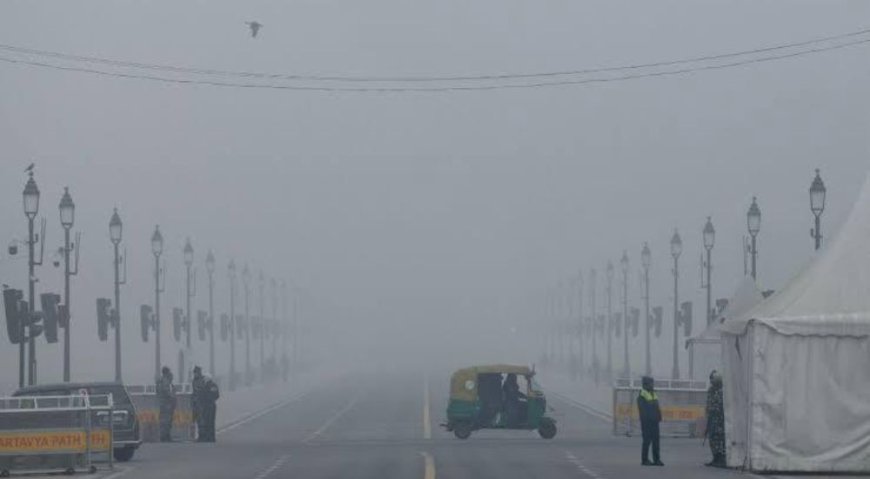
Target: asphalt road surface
{"points": [[387, 426]]}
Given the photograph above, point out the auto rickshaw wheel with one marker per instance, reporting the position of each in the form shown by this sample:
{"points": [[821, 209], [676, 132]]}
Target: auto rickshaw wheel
{"points": [[547, 429], [462, 430]]}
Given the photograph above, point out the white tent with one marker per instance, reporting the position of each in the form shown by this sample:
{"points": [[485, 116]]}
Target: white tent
{"points": [[797, 366], [705, 349]]}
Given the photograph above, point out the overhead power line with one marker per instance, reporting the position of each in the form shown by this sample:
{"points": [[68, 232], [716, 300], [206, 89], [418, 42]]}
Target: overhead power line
{"points": [[401, 79], [493, 85]]}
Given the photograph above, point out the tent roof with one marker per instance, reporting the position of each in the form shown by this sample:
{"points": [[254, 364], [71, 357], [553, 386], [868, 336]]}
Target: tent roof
{"points": [[745, 296], [831, 296]]}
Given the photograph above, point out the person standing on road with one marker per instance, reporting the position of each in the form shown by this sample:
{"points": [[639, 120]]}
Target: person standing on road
{"points": [[716, 420], [205, 396], [196, 400], [166, 402], [650, 417]]}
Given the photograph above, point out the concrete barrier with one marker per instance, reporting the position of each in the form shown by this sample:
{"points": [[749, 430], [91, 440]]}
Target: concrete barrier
{"points": [[683, 405], [144, 398], [45, 434]]}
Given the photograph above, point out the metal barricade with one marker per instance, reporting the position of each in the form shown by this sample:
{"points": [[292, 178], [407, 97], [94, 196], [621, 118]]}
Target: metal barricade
{"points": [[44, 434], [682, 403], [144, 398]]}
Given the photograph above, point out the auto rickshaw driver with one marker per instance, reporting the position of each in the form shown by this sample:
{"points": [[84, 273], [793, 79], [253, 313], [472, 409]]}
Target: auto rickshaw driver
{"points": [[513, 400]]}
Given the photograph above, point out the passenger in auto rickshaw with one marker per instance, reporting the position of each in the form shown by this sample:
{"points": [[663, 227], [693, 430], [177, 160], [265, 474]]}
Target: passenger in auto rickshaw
{"points": [[513, 401]]}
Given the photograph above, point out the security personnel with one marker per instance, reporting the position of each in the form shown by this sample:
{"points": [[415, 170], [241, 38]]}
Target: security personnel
{"points": [[716, 420], [650, 417], [166, 402], [205, 396]]}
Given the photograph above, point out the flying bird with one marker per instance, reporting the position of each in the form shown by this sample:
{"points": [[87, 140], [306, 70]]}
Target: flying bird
{"points": [[255, 28], [29, 168]]}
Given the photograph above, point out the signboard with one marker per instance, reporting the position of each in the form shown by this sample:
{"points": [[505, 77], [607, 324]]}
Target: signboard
{"points": [[56, 441]]}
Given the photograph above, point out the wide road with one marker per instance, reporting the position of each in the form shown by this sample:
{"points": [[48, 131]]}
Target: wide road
{"points": [[367, 426]]}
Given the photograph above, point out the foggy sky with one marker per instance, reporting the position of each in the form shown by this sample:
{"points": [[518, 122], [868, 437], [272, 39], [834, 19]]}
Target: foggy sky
{"points": [[422, 225]]}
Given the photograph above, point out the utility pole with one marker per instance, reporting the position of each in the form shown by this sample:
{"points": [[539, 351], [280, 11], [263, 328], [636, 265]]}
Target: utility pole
{"points": [[645, 261], [67, 218], [115, 228], [753, 222], [626, 372], [209, 264], [676, 250], [157, 250], [246, 279], [31, 208], [609, 320], [232, 271], [262, 327]]}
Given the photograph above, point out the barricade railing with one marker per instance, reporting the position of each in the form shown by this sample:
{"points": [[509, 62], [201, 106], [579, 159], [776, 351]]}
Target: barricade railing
{"points": [[147, 405], [45, 434], [682, 403]]}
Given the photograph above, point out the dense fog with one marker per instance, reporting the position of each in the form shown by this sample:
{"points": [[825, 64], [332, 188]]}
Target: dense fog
{"points": [[417, 229]]}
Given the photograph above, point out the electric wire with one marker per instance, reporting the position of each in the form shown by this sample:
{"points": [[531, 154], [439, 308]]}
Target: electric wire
{"points": [[410, 79], [453, 88]]}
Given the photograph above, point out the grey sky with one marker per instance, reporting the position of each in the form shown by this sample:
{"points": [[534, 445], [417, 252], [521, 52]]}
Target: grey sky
{"points": [[418, 217]]}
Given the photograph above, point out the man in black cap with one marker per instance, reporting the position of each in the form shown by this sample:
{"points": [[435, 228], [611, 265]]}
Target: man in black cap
{"points": [[650, 417]]}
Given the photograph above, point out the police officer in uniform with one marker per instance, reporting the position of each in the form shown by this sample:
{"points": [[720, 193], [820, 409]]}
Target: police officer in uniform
{"points": [[650, 417], [716, 420], [166, 401]]}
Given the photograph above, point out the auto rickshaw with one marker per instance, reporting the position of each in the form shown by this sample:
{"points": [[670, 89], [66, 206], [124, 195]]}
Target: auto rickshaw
{"points": [[478, 401]]}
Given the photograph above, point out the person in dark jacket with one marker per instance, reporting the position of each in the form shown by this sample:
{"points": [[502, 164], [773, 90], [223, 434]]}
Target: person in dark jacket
{"points": [[716, 421], [166, 401], [650, 417], [205, 396]]}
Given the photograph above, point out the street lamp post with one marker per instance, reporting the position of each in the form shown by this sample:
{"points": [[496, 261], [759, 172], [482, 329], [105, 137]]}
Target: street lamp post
{"points": [[246, 279], [594, 321], [31, 208], [209, 266], [115, 230], [817, 206], [191, 292], [581, 325], [626, 368], [232, 270], [645, 259], [753, 224], [676, 250], [275, 330], [67, 218], [262, 284], [609, 319], [709, 241], [157, 250]]}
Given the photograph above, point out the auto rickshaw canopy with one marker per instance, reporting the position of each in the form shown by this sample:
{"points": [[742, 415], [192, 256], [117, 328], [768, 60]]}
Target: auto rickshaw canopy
{"points": [[463, 382]]}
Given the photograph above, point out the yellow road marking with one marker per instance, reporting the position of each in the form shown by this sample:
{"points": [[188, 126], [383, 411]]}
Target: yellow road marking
{"points": [[427, 423], [429, 466]]}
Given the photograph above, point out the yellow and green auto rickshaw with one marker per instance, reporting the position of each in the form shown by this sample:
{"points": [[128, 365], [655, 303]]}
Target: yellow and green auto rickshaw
{"points": [[499, 396]]}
